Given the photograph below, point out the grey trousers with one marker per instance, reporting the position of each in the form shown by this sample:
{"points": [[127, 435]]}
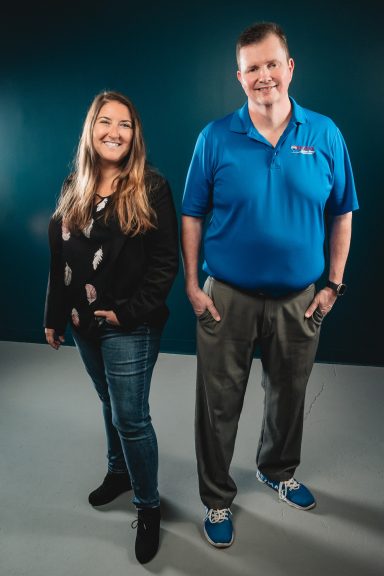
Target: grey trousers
{"points": [[225, 349]]}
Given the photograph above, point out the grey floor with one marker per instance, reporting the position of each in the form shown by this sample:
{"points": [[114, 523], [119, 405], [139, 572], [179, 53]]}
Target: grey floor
{"points": [[53, 453]]}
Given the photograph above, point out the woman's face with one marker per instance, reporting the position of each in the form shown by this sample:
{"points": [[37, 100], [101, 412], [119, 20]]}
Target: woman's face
{"points": [[113, 133]]}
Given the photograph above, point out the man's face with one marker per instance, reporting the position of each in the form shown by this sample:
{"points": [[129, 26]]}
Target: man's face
{"points": [[265, 72]]}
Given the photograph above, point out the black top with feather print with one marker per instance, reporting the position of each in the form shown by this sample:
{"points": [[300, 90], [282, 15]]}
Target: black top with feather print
{"points": [[100, 268]]}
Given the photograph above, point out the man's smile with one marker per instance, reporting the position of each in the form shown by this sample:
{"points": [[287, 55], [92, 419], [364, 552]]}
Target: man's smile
{"points": [[266, 88]]}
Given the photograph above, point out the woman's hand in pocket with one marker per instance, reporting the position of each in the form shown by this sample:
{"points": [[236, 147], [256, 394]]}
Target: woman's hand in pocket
{"points": [[109, 315]]}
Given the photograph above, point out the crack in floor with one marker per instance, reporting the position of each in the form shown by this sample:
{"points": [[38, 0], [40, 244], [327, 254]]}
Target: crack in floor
{"points": [[307, 413]]}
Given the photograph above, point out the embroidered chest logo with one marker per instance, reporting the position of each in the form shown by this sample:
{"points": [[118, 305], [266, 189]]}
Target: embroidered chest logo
{"points": [[302, 149]]}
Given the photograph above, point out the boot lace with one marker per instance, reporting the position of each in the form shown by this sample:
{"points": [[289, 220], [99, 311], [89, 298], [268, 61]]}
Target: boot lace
{"points": [[135, 523]]}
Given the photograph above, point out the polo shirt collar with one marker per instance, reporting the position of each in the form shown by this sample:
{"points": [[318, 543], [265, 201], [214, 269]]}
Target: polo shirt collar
{"points": [[241, 121]]}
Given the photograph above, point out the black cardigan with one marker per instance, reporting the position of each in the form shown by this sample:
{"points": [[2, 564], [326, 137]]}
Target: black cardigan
{"points": [[100, 268]]}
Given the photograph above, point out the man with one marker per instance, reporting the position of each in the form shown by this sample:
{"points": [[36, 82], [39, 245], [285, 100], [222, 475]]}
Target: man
{"points": [[274, 176]]}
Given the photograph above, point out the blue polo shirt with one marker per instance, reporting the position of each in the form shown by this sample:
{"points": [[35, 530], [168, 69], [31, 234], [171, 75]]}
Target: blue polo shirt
{"points": [[266, 229]]}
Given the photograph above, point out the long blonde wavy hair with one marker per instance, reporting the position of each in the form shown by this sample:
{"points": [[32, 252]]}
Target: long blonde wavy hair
{"points": [[129, 202]]}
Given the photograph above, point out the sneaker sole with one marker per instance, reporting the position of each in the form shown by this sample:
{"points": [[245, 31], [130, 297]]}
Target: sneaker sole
{"points": [[296, 505], [219, 544]]}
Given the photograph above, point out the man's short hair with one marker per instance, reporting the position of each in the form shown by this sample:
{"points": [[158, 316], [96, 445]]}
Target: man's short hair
{"points": [[258, 32]]}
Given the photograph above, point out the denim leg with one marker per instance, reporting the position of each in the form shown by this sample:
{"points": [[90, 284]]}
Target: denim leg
{"points": [[129, 359], [90, 352]]}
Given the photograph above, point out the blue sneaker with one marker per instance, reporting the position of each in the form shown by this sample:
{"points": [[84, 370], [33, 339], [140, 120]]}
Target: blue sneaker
{"points": [[218, 527], [291, 492]]}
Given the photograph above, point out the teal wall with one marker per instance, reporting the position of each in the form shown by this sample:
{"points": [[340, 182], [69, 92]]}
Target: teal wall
{"points": [[176, 61]]}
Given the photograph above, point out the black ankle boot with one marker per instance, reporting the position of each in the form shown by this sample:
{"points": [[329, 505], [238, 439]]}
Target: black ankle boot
{"points": [[113, 485], [148, 529]]}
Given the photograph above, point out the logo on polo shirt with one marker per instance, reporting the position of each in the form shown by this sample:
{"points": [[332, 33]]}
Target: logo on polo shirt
{"points": [[302, 149]]}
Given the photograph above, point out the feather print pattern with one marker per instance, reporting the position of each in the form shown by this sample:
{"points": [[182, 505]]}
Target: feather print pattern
{"points": [[87, 229], [91, 293], [65, 233], [97, 258], [101, 205], [75, 317], [67, 275]]}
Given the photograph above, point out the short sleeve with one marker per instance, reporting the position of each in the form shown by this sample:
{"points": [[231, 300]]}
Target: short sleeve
{"points": [[343, 197], [197, 199]]}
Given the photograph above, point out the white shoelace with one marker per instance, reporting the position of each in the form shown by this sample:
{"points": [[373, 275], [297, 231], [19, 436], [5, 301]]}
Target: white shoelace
{"points": [[216, 516], [288, 485]]}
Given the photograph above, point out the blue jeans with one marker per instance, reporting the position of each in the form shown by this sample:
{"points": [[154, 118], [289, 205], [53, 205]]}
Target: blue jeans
{"points": [[120, 365]]}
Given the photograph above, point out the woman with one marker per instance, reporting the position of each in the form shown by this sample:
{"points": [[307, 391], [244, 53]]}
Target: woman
{"points": [[114, 257]]}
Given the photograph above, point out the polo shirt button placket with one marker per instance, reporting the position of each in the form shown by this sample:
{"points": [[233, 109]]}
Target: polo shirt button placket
{"points": [[275, 161]]}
